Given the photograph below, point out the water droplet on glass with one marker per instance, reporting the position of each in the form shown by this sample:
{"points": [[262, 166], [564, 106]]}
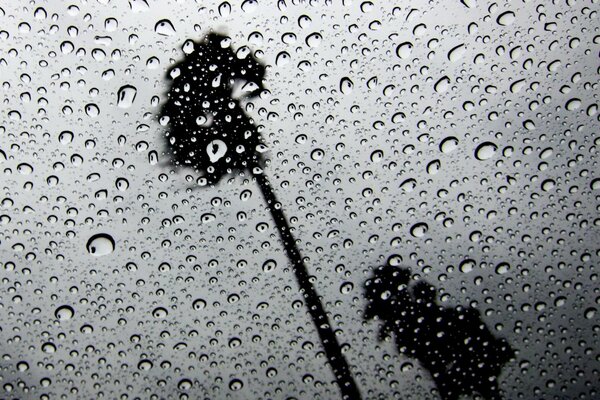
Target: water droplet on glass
{"points": [[398, 117], [64, 313], [548, 185], [448, 144], [49, 348], [433, 167], [560, 301], [206, 218], [317, 154], [255, 38], [516, 86], [216, 149], [224, 9], [485, 151], [199, 304], [160, 312], [506, 18], [346, 287], [24, 169], [184, 384], [249, 6], [66, 47], [502, 268], [98, 54], [419, 229], [346, 85], [589, 313], [456, 53], [145, 365], [246, 195], [304, 21], [269, 265], [122, 184], [406, 366], [408, 185], [111, 24], [466, 266], [403, 50], [100, 244], [92, 110], [126, 96], [22, 366], [314, 39], [573, 104], [164, 27], [377, 156], [282, 59], [40, 13], [236, 385], [153, 157], [442, 85], [153, 63], [65, 137]]}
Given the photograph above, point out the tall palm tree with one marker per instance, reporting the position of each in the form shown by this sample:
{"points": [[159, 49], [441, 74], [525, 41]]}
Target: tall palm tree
{"points": [[209, 132]]}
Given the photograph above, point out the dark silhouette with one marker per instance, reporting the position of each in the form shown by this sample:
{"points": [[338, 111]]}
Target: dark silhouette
{"points": [[453, 344], [210, 132]]}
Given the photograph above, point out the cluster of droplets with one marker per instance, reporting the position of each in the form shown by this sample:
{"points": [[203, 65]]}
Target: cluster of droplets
{"points": [[468, 149]]}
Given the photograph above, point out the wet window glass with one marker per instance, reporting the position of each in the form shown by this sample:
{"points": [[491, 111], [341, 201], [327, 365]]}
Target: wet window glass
{"points": [[296, 199]]}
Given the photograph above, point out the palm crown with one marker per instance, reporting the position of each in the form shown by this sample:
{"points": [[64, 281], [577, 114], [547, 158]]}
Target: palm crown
{"points": [[208, 129]]}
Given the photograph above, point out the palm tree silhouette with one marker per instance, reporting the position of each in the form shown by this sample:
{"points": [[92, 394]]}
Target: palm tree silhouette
{"points": [[209, 131], [454, 344]]}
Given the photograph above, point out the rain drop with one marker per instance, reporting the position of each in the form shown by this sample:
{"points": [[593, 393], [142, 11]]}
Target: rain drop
{"points": [[64, 313], [377, 156], [160, 312], [282, 59], [573, 104], [224, 9], [485, 151], [456, 53], [269, 265], [145, 365], [506, 18], [403, 50], [164, 27], [92, 110], [65, 137], [216, 149], [317, 154], [589, 313], [419, 230], [442, 85], [502, 268], [236, 385], [199, 304], [122, 184], [448, 144], [346, 287], [100, 245], [346, 85], [126, 96], [314, 40], [466, 266]]}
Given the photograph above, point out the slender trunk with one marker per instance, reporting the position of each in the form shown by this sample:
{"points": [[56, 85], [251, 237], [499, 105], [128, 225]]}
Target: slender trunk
{"points": [[329, 341]]}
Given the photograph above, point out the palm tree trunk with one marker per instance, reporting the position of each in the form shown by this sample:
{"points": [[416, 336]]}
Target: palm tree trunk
{"points": [[329, 341]]}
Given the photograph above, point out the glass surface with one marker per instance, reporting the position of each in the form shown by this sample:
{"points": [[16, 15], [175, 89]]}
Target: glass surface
{"points": [[412, 213]]}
